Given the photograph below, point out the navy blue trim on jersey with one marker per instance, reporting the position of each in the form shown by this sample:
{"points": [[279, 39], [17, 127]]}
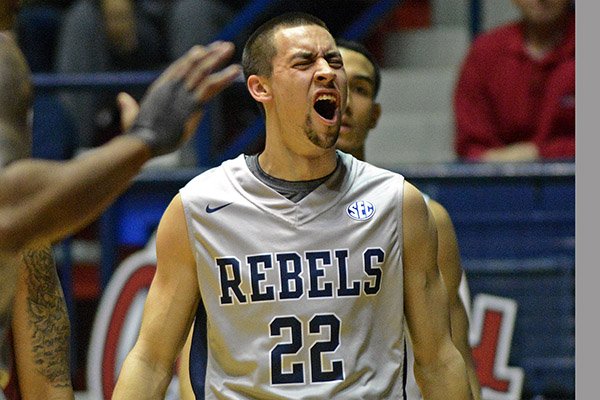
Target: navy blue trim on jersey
{"points": [[199, 353]]}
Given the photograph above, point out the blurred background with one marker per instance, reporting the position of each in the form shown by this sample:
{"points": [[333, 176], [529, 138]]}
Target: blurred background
{"points": [[515, 219]]}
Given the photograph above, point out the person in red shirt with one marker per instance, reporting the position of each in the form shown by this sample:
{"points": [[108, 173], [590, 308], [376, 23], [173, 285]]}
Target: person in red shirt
{"points": [[515, 96]]}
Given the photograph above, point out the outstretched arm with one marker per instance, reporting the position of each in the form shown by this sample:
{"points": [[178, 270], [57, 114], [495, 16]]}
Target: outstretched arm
{"points": [[452, 272], [45, 201], [168, 313], [41, 329], [439, 367]]}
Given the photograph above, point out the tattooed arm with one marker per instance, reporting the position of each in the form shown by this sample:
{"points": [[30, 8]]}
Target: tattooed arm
{"points": [[41, 329]]}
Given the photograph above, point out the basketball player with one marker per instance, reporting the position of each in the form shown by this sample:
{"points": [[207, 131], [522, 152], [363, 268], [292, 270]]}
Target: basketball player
{"points": [[41, 201], [362, 114], [302, 262]]}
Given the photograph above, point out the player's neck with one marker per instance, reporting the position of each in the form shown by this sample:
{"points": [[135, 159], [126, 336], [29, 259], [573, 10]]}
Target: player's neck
{"points": [[292, 166]]}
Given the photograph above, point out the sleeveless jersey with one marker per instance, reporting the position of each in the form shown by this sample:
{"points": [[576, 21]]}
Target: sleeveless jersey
{"points": [[298, 300]]}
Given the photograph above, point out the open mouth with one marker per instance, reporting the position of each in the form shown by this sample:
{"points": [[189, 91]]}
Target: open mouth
{"points": [[326, 106]]}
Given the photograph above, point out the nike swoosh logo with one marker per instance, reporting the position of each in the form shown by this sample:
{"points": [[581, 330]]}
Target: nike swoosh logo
{"points": [[212, 210]]}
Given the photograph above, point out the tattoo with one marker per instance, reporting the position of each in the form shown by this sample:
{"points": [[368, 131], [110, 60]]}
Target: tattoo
{"points": [[48, 317]]}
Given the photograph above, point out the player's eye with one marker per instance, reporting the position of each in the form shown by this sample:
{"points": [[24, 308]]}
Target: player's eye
{"points": [[302, 64], [335, 62], [362, 90]]}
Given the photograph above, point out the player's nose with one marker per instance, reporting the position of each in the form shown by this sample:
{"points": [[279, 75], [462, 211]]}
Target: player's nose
{"points": [[325, 73]]}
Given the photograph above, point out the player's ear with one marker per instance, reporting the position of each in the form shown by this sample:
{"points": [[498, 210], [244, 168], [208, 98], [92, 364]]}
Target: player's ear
{"points": [[375, 114], [259, 88]]}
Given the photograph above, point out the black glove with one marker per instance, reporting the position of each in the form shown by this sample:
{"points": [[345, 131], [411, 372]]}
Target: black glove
{"points": [[164, 111]]}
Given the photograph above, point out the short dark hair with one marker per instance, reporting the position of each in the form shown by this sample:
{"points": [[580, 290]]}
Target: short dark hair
{"points": [[360, 48], [259, 49]]}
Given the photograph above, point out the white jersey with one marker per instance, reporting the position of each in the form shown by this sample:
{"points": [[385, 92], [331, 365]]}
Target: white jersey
{"points": [[299, 300]]}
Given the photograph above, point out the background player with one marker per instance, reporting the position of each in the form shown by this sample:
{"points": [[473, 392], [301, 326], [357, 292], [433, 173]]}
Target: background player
{"points": [[361, 115], [494, 121], [311, 330]]}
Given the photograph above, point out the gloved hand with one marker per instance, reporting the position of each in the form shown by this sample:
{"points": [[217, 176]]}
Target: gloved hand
{"points": [[178, 95]]}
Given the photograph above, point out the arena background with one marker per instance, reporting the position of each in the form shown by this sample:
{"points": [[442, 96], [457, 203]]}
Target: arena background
{"points": [[515, 222]]}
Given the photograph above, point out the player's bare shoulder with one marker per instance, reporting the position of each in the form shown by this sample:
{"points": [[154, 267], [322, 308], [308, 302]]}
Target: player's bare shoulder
{"points": [[441, 215], [414, 207], [15, 81], [16, 96]]}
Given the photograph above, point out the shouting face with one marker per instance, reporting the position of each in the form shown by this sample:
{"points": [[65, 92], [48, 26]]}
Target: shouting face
{"points": [[308, 85]]}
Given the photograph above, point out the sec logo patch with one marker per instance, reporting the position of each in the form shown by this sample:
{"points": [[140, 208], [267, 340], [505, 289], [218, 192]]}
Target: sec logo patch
{"points": [[360, 210]]}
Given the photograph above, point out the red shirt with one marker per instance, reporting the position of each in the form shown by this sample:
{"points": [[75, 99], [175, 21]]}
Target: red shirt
{"points": [[504, 96]]}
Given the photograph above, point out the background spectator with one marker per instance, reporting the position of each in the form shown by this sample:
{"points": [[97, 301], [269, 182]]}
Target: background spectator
{"points": [[38, 24], [514, 100], [101, 36]]}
